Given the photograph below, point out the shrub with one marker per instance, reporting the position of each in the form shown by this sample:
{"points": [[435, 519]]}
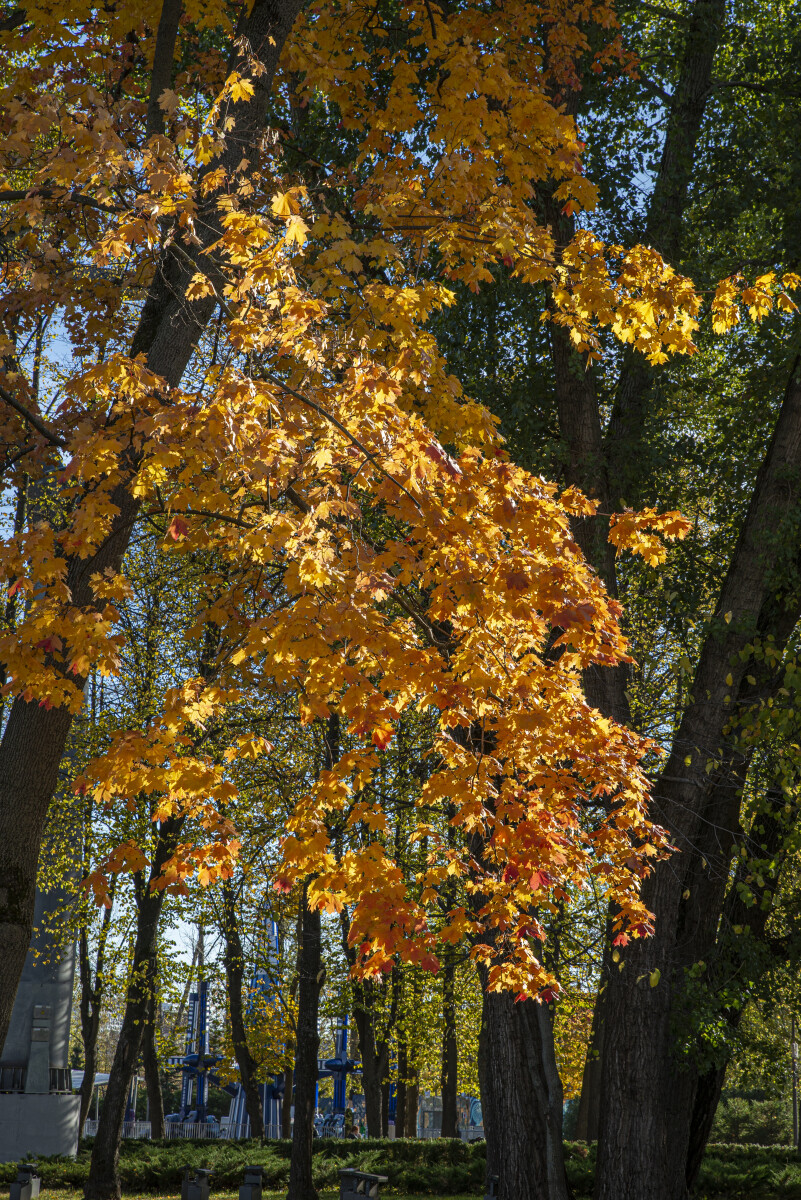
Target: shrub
{"points": [[755, 1122]]}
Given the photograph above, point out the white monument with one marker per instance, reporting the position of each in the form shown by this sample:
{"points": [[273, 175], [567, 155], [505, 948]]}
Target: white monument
{"points": [[39, 1114]]}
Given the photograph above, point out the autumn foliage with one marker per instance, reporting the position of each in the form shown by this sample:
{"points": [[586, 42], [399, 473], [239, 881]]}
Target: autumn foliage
{"points": [[367, 545]]}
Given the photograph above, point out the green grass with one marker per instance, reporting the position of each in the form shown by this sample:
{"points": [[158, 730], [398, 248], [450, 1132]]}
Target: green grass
{"points": [[153, 1171]]}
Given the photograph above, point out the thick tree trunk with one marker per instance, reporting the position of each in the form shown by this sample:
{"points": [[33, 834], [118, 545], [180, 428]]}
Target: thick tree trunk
{"points": [[301, 1183], [521, 1098], [450, 1059], [103, 1182], [648, 1097], [234, 977], [170, 325], [155, 1098]]}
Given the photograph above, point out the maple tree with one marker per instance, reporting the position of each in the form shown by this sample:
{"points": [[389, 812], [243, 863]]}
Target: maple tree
{"points": [[256, 387], [705, 119]]}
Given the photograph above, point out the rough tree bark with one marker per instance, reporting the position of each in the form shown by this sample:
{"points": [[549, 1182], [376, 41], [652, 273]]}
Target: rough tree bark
{"points": [[521, 1092], [150, 1061], [169, 327], [648, 1097], [301, 1183], [103, 1182], [234, 977], [521, 1098]]}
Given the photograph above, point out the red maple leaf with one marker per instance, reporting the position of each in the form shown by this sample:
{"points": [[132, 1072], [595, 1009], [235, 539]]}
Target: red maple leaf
{"points": [[178, 528]]}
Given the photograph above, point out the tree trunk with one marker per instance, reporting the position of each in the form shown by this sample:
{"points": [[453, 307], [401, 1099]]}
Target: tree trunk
{"points": [[89, 1032], [590, 1103], [385, 1107], [412, 1102], [521, 1098], [612, 466], [91, 1001], [301, 1183], [103, 1182], [732, 958], [450, 1057], [401, 1092], [89, 1008], [286, 1104], [169, 328], [374, 1057], [648, 1095], [234, 977], [155, 1099]]}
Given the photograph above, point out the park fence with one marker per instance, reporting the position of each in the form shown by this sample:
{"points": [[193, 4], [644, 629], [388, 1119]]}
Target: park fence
{"points": [[130, 1129], [209, 1130]]}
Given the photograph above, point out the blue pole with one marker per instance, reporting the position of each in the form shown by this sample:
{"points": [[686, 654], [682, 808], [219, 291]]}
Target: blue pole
{"points": [[202, 1051], [187, 1077]]}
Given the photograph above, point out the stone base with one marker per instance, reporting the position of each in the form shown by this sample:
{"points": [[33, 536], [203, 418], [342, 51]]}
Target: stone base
{"points": [[38, 1123]]}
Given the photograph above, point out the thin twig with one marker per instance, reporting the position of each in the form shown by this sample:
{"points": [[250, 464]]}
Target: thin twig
{"points": [[323, 412]]}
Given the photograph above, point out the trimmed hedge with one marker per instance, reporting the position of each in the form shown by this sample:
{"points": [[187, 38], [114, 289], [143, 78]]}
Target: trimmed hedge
{"points": [[423, 1168]]}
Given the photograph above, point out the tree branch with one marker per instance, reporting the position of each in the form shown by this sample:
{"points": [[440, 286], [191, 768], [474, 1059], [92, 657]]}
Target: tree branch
{"points": [[12, 196], [323, 412], [38, 424]]}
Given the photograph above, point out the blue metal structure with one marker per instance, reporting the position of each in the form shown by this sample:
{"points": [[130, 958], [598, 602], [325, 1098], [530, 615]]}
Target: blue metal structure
{"points": [[197, 1063], [339, 1067], [271, 1093]]}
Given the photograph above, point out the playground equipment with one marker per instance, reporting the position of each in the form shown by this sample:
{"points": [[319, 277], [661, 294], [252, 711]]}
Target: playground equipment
{"points": [[197, 1065], [469, 1118], [237, 1123], [339, 1067]]}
